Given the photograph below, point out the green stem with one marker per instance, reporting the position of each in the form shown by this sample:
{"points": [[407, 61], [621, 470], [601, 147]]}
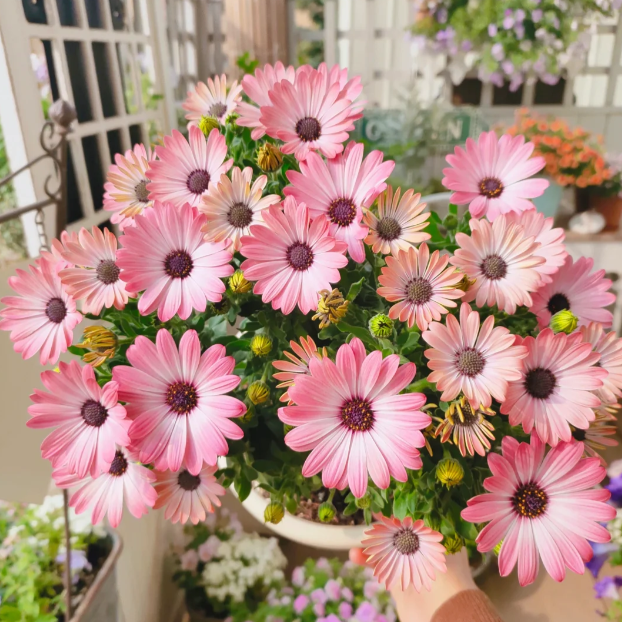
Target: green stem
{"points": [[331, 495]]}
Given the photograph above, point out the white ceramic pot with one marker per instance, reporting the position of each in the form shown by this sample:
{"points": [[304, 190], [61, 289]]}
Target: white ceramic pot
{"points": [[317, 535]]}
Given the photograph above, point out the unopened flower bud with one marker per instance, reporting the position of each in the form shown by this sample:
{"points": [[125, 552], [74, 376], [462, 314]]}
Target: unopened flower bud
{"points": [[450, 221], [326, 512], [465, 283], [381, 326], [274, 513], [238, 284], [449, 472], [261, 345], [269, 158], [207, 124], [364, 502], [564, 321], [453, 544], [258, 392]]}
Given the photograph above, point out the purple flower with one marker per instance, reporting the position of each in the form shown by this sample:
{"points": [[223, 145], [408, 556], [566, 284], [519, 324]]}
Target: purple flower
{"points": [[497, 51], [78, 563], [345, 610], [466, 45], [332, 589], [319, 596], [346, 594], [508, 22], [615, 488], [608, 587], [492, 30], [515, 83], [536, 15], [209, 548], [496, 78], [441, 15], [298, 576], [319, 609], [366, 612], [330, 618], [601, 554], [189, 560], [323, 564], [519, 31], [371, 588], [520, 15], [300, 604]]}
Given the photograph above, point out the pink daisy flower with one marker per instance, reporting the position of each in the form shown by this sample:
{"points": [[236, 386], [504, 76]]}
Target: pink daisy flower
{"points": [[258, 87], [340, 188], [212, 99], [478, 363], [176, 399], [186, 496], [404, 553], [126, 189], [231, 206], [95, 279], [399, 222], [185, 168], [541, 506], [556, 387], [165, 256], [503, 262], [309, 114], [610, 349], [292, 258], [125, 482], [351, 418], [423, 286], [574, 288], [42, 316], [89, 420], [597, 438], [491, 175], [551, 241], [297, 363], [351, 89]]}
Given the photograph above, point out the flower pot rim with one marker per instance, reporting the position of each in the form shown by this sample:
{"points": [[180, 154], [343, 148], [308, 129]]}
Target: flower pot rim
{"points": [[303, 531], [100, 578]]}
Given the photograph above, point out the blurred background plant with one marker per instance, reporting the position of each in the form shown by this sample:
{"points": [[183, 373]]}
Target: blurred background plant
{"points": [[32, 556]]}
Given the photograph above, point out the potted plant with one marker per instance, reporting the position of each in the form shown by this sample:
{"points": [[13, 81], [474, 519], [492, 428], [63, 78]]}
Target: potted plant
{"points": [[225, 572], [33, 558], [573, 157], [606, 198], [275, 302], [509, 41], [324, 587]]}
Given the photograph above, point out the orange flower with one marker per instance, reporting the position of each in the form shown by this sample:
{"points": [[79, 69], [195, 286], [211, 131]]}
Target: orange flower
{"points": [[582, 182], [558, 126], [565, 148], [543, 126]]}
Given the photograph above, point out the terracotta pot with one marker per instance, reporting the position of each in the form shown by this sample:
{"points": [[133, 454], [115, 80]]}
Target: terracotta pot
{"points": [[101, 602], [610, 208]]}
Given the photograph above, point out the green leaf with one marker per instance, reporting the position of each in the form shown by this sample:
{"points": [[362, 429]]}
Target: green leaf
{"points": [[350, 509], [453, 209], [357, 331], [400, 506], [243, 487], [355, 289], [291, 505], [466, 530]]}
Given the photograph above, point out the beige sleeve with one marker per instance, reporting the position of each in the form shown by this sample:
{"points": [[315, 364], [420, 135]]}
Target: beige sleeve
{"points": [[467, 606]]}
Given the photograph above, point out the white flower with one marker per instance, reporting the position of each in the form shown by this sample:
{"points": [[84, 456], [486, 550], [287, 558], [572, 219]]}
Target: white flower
{"points": [[189, 560]]}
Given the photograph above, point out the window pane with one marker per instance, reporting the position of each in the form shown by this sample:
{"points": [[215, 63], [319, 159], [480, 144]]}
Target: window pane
{"points": [[127, 78], [34, 11], [119, 12], [67, 13], [146, 68], [90, 144], [74, 202], [94, 13], [77, 75], [104, 78], [136, 134], [114, 143]]}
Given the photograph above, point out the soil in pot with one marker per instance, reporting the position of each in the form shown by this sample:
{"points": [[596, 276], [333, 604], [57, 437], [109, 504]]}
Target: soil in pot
{"points": [[308, 508], [610, 208]]}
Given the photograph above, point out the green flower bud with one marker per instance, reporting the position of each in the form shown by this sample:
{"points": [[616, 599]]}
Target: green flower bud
{"points": [[450, 222], [207, 124], [326, 512], [222, 307], [453, 544], [564, 321], [497, 549], [274, 513], [381, 326], [364, 502], [449, 472]]}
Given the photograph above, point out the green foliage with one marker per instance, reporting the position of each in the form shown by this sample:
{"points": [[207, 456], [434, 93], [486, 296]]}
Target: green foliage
{"points": [[246, 63]]}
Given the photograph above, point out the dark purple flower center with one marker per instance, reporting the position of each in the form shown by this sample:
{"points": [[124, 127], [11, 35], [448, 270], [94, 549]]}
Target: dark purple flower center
{"points": [[419, 291], [119, 465], [93, 413], [357, 415], [178, 264], [579, 435], [388, 229], [198, 181], [240, 215], [470, 362], [342, 212], [217, 110], [308, 129], [187, 481], [557, 303], [300, 256], [530, 500], [108, 272], [494, 267], [540, 382], [406, 541], [141, 192], [181, 397], [490, 187], [56, 310]]}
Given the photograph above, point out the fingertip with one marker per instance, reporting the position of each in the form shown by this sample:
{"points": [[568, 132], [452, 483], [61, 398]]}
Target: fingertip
{"points": [[358, 557]]}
